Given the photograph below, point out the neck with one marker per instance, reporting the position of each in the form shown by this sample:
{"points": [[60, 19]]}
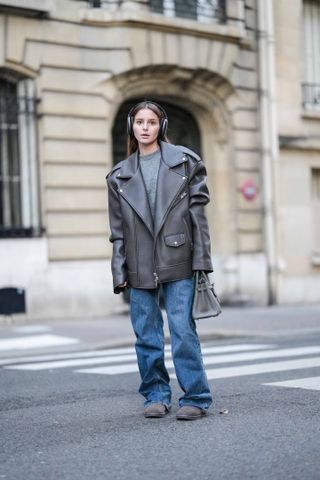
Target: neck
{"points": [[148, 149]]}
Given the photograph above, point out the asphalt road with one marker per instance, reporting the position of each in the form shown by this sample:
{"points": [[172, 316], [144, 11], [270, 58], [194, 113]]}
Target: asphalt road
{"points": [[78, 417]]}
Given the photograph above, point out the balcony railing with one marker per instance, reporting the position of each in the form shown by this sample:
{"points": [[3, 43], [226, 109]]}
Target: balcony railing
{"points": [[199, 10], [311, 96]]}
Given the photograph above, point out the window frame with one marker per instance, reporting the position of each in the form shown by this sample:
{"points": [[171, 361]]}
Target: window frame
{"points": [[311, 55], [315, 203], [19, 179], [202, 13]]}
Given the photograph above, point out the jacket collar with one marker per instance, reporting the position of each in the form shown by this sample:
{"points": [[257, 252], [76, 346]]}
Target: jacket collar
{"points": [[171, 156]]}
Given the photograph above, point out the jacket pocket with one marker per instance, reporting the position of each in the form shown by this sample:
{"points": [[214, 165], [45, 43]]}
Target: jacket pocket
{"points": [[175, 240]]}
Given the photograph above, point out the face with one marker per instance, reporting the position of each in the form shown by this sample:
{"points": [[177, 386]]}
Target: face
{"points": [[146, 127]]}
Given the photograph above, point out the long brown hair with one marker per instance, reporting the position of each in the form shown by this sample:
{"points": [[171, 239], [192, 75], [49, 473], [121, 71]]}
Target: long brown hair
{"points": [[132, 144]]}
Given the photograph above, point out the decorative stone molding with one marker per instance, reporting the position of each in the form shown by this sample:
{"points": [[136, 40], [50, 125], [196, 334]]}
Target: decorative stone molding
{"points": [[143, 18], [32, 6]]}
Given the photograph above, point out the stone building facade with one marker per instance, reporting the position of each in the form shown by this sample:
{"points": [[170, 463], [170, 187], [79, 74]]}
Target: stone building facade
{"points": [[232, 71]]}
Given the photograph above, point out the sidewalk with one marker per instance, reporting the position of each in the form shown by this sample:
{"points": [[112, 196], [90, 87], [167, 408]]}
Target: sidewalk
{"points": [[115, 330]]}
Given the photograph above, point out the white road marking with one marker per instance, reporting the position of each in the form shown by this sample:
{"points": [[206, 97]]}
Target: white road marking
{"points": [[72, 363], [35, 341], [310, 383], [120, 351], [212, 355], [236, 357], [276, 353], [270, 367], [246, 347], [61, 356], [114, 370], [32, 329]]}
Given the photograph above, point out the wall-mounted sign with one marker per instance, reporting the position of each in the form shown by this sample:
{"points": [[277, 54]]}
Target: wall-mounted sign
{"points": [[249, 190]]}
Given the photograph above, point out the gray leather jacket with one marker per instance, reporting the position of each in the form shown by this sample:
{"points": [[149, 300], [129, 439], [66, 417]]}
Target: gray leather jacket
{"points": [[146, 250]]}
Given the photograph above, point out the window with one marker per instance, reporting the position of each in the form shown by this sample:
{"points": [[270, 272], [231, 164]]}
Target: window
{"points": [[201, 10], [19, 204], [315, 198], [311, 84]]}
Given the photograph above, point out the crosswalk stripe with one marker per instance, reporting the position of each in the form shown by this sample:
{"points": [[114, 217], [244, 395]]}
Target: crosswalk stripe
{"points": [[236, 357], [32, 328], [65, 356], [80, 358], [72, 363], [270, 367], [126, 350], [310, 383], [276, 353], [35, 341], [236, 348], [114, 370]]}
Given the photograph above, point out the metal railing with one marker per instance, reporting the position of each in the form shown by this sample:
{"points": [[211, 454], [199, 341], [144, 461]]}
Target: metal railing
{"points": [[199, 10], [311, 96]]}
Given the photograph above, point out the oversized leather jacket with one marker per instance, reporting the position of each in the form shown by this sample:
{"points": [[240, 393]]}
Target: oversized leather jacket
{"points": [[146, 250]]}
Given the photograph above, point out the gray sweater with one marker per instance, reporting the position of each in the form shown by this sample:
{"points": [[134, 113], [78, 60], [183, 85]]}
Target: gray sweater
{"points": [[149, 165]]}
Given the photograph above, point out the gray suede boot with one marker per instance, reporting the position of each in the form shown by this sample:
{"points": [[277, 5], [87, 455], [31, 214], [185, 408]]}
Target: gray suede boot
{"points": [[189, 412], [155, 410]]}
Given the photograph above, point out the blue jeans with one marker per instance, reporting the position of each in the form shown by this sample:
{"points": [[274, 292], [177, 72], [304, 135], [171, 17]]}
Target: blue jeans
{"points": [[147, 324]]}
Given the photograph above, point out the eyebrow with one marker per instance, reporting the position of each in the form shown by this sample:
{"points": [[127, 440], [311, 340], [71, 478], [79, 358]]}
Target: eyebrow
{"points": [[149, 119]]}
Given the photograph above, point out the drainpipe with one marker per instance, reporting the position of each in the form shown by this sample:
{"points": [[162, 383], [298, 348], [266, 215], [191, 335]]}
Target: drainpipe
{"points": [[269, 139]]}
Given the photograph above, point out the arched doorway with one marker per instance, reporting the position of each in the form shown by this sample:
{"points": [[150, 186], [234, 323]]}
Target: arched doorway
{"points": [[183, 128]]}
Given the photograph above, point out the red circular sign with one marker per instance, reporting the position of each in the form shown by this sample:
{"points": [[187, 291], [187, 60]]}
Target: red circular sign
{"points": [[249, 190]]}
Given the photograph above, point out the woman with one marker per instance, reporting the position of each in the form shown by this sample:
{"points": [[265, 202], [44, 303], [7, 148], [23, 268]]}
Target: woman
{"points": [[160, 235]]}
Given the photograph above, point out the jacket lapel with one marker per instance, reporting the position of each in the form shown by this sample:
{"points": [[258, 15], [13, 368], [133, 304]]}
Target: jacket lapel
{"points": [[171, 179], [134, 190]]}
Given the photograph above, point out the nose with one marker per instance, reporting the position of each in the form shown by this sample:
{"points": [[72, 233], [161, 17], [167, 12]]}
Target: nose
{"points": [[145, 126]]}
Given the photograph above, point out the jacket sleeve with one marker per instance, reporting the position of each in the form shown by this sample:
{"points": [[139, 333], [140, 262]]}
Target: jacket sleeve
{"points": [[199, 197], [118, 261]]}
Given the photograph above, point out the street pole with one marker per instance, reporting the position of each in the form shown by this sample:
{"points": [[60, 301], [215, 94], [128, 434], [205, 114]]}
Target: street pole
{"points": [[269, 140]]}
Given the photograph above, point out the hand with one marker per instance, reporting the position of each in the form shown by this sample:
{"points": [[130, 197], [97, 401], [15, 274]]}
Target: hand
{"points": [[123, 285]]}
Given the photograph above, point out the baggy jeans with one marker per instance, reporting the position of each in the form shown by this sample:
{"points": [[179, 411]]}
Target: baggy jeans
{"points": [[147, 322]]}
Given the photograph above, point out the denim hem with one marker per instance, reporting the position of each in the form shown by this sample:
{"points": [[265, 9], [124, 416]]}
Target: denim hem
{"points": [[148, 403], [204, 407]]}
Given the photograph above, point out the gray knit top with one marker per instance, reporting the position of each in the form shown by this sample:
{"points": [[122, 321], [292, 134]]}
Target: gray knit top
{"points": [[149, 165]]}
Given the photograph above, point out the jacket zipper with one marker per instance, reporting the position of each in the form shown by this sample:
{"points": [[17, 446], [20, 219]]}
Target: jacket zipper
{"points": [[136, 247], [155, 274]]}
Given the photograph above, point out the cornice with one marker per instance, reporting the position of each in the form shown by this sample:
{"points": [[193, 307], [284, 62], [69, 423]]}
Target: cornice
{"points": [[152, 21]]}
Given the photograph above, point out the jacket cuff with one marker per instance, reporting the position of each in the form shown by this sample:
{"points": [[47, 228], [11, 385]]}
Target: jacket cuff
{"points": [[204, 267]]}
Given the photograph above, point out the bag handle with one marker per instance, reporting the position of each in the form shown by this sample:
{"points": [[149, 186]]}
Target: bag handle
{"points": [[201, 276], [203, 282]]}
